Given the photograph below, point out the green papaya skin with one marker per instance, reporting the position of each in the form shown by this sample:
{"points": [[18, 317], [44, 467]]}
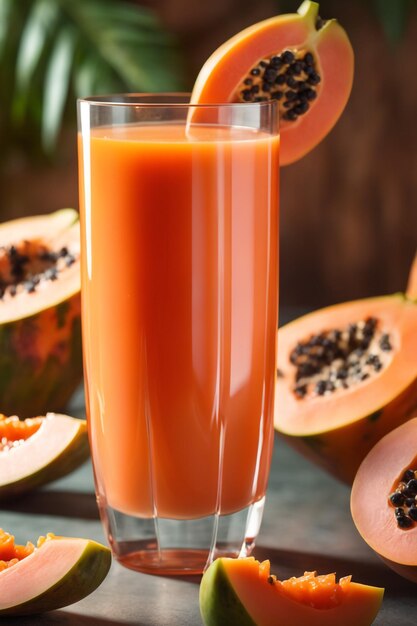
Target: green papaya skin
{"points": [[224, 606]]}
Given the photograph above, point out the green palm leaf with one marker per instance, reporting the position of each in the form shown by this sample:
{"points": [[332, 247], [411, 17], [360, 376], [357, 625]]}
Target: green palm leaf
{"points": [[74, 48], [127, 39], [393, 15], [94, 76], [6, 9], [57, 84], [36, 33]]}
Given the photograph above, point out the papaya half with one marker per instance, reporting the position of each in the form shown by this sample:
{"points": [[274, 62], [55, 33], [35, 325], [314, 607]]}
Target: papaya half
{"points": [[38, 450], [243, 591], [384, 499], [57, 572], [300, 60], [346, 376], [40, 313]]}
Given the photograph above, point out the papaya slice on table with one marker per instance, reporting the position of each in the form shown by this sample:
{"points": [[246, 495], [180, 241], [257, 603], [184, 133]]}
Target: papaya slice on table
{"points": [[38, 450], [57, 572], [243, 591]]}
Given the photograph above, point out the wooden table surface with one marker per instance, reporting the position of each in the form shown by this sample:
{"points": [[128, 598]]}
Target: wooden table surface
{"points": [[307, 525]]}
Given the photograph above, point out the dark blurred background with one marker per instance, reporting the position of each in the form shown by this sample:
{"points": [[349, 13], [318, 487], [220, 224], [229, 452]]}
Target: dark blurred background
{"points": [[349, 208]]}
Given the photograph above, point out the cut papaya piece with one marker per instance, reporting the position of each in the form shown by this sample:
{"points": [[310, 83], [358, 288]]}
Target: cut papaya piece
{"points": [[412, 281], [40, 313], [39, 450], [347, 375], [56, 573], [384, 499], [302, 61], [242, 591]]}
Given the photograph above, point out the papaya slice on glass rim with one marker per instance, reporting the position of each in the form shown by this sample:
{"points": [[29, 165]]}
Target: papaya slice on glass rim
{"points": [[301, 60]]}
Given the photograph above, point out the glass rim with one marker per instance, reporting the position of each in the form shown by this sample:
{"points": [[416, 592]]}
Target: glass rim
{"points": [[134, 99]]}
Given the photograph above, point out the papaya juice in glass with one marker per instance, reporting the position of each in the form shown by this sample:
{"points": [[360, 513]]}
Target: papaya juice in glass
{"points": [[179, 216]]}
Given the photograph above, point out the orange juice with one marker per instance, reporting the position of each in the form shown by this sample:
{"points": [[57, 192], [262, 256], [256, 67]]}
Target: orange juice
{"points": [[180, 311]]}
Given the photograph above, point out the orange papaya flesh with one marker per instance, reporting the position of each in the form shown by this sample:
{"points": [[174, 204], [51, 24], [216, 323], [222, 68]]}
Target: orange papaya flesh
{"points": [[372, 510], [14, 431], [411, 290], [253, 64], [337, 428], [10, 552], [244, 591]]}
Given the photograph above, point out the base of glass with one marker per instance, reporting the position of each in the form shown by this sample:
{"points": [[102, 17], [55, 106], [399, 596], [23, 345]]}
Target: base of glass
{"points": [[169, 562], [181, 547]]}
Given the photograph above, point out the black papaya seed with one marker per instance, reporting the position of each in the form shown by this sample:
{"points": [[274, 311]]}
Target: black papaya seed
{"points": [[413, 513], [404, 521], [412, 486], [397, 498], [408, 475]]}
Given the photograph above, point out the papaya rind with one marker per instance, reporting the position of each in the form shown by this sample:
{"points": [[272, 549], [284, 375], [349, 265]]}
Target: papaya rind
{"points": [[81, 579], [219, 603], [31, 383], [66, 460]]}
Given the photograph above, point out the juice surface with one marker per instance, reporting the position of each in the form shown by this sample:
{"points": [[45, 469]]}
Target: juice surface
{"points": [[179, 280]]}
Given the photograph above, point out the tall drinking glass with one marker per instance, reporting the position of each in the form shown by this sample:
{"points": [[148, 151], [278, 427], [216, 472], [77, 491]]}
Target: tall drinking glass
{"points": [[179, 216]]}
